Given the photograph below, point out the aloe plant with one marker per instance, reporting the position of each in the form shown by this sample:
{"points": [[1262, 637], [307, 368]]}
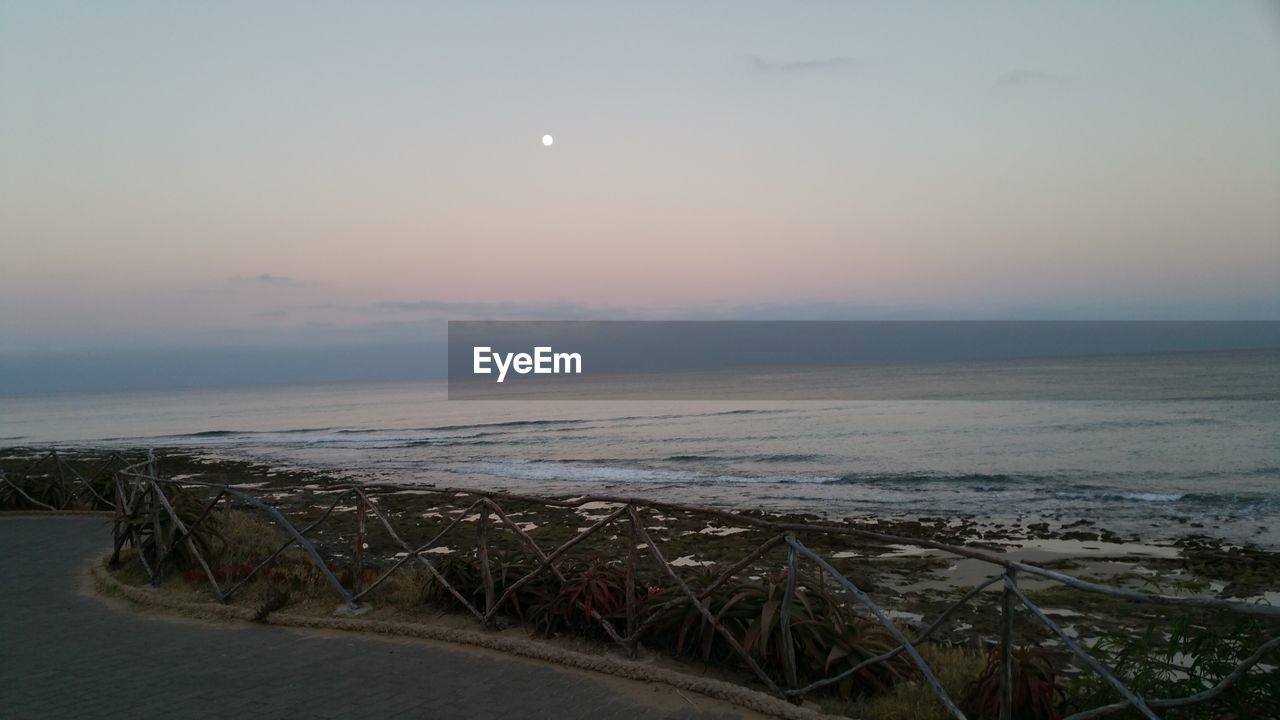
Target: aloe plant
{"points": [[151, 530], [533, 602], [35, 492], [1037, 692], [826, 637], [596, 586], [860, 640]]}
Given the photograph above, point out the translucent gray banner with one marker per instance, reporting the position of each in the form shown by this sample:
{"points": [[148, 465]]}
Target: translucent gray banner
{"points": [[825, 360]]}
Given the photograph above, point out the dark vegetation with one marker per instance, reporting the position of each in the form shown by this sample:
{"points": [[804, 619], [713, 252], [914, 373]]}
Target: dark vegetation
{"points": [[1037, 686], [54, 481]]}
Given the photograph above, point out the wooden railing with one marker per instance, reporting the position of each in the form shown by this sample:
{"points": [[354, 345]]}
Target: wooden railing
{"points": [[145, 517]]}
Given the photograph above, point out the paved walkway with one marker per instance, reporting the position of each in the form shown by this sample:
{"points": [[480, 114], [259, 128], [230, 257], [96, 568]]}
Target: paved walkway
{"points": [[65, 654]]}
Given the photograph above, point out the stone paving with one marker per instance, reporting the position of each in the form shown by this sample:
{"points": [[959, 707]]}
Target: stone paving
{"points": [[66, 654]]}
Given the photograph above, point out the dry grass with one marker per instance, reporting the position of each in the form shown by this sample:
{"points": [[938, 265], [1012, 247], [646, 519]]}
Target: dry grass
{"points": [[955, 668], [247, 538]]}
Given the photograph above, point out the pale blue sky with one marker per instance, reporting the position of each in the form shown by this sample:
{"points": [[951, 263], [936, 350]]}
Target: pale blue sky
{"points": [[195, 174]]}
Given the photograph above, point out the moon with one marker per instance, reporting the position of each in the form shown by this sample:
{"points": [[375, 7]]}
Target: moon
{"points": [[547, 140]]}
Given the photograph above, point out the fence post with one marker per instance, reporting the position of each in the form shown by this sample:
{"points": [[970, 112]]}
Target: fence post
{"points": [[788, 643], [161, 544], [69, 501], [226, 552], [117, 527], [482, 554], [1006, 645], [357, 555], [633, 555]]}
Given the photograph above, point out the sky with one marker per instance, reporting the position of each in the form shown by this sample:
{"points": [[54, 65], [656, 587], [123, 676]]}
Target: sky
{"points": [[186, 176]]}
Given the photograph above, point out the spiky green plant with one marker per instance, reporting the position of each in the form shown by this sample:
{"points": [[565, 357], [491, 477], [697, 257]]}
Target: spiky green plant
{"points": [[151, 530], [1183, 653], [596, 585], [534, 602], [826, 637], [855, 641], [1037, 687], [35, 492]]}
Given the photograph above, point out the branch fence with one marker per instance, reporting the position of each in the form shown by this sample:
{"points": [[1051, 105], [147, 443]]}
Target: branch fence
{"points": [[145, 518]]}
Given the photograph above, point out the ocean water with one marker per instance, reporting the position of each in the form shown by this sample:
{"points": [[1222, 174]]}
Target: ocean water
{"points": [[1152, 467]]}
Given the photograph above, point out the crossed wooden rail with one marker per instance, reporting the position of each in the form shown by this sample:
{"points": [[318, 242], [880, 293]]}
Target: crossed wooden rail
{"points": [[139, 501], [74, 489]]}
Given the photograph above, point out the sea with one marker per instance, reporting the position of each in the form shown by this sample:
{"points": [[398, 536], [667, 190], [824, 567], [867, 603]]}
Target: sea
{"points": [[1204, 459]]}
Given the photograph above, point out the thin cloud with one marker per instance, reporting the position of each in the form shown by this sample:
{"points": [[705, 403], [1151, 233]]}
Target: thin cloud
{"points": [[1023, 79], [476, 310], [483, 309], [807, 65], [265, 279], [761, 65], [411, 311]]}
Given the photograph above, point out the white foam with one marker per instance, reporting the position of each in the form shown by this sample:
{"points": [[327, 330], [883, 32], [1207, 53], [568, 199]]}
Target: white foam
{"points": [[1152, 497], [721, 531]]}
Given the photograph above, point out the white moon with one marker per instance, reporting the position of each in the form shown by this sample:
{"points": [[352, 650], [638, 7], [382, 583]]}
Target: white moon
{"points": [[547, 140]]}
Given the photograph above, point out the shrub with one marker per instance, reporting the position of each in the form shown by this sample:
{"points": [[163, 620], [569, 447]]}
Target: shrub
{"points": [[139, 528], [955, 667], [51, 482], [1183, 654], [462, 574], [1036, 689], [18, 493], [597, 586], [858, 640], [826, 637], [533, 602]]}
